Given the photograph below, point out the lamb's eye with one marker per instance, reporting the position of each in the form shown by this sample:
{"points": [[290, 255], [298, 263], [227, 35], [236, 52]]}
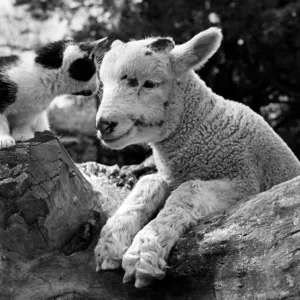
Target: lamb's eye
{"points": [[149, 84]]}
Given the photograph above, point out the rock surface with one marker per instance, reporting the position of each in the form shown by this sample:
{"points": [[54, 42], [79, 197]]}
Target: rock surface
{"points": [[250, 252], [51, 212]]}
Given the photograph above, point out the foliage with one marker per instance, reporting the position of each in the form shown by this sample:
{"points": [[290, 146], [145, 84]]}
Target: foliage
{"points": [[258, 63]]}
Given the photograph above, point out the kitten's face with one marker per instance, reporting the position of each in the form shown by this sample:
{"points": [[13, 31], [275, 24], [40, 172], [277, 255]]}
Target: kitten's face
{"points": [[76, 64]]}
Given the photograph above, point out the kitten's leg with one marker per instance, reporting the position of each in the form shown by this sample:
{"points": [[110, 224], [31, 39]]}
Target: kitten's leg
{"points": [[41, 122], [22, 132], [6, 139], [26, 131]]}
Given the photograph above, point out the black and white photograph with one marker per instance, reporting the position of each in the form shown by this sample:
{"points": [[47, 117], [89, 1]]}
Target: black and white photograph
{"points": [[149, 150]]}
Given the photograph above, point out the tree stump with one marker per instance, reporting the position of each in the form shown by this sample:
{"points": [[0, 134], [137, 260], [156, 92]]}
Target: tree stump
{"points": [[51, 212]]}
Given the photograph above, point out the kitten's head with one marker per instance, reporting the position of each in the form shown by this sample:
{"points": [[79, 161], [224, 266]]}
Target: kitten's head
{"points": [[75, 63]]}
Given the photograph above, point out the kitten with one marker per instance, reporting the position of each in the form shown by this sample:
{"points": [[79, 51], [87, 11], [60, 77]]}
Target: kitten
{"points": [[30, 81]]}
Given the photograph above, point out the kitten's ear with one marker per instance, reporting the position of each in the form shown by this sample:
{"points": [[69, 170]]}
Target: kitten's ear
{"points": [[95, 46], [100, 45]]}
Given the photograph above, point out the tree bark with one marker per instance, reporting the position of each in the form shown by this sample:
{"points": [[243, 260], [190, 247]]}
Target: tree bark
{"points": [[252, 251], [51, 212]]}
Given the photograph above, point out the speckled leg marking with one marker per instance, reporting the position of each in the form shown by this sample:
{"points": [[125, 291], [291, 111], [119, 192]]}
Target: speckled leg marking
{"points": [[146, 257], [6, 140], [145, 199]]}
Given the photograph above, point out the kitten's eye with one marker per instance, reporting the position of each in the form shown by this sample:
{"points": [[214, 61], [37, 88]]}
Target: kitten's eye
{"points": [[150, 84]]}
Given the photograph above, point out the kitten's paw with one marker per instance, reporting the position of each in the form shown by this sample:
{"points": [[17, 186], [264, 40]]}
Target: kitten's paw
{"points": [[144, 261], [109, 250], [22, 135], [6, 141]]}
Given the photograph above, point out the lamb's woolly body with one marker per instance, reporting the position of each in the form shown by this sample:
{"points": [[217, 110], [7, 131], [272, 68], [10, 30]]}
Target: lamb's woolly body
{"points": [[218, 138], [210, 152]]}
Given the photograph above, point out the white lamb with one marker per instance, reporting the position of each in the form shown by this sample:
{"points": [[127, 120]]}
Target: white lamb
{"points": [[210, 152]]}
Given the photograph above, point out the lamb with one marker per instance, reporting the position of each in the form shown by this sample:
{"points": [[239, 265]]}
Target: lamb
{"points": [[210, 152]]}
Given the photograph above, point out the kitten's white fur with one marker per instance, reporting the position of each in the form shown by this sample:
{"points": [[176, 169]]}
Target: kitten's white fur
{"points": [[37, 87]]}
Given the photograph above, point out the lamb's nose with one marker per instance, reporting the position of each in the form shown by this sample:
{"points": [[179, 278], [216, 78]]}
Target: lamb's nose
{"points": [[106, 127]]}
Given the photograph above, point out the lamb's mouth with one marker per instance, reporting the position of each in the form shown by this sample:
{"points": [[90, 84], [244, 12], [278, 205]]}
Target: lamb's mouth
{"points": [[113, 140], [84, 93]]}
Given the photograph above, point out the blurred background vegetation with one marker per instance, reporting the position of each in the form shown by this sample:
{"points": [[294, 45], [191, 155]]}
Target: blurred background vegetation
{"points": [[258, 63]]}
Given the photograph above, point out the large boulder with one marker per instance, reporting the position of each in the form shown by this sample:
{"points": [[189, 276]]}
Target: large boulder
{"points": [[51, 212]]}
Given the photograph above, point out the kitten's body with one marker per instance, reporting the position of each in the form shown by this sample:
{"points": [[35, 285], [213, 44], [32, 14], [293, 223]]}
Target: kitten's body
{"points": [[29, 82]]}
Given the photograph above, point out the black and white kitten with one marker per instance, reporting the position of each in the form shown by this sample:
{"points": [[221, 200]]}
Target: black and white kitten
{"points": [[30, 81]]}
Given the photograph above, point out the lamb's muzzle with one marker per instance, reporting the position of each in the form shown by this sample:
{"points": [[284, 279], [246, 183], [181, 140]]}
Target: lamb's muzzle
{"points": [[114, 130], [106, 127]]}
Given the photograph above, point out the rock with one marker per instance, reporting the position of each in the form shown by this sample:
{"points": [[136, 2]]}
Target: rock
{"points": [[250, 252], [51, 212]]}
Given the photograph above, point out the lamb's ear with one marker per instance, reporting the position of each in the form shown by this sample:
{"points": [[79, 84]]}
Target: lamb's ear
{"points": [[162, 44], [195, 53]]}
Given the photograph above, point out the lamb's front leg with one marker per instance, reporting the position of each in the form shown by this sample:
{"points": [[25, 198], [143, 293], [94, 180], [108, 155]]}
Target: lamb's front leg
{"points": [[142, 203], [146, 257]]}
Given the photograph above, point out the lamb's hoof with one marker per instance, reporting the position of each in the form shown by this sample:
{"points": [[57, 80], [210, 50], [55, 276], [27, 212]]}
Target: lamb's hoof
{"points": [[107, 256], [145, 263], [108, 264], [6, 141]]}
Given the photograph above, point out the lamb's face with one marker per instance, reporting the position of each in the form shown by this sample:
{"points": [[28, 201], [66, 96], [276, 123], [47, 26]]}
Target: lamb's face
{"points": [[137, 80], [74, 64]]}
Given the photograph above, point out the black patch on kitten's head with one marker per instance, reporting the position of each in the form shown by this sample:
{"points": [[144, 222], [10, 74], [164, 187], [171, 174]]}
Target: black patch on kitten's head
{"points": [[51, 55], [82, 69], [8, 89], [162, 44]]}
